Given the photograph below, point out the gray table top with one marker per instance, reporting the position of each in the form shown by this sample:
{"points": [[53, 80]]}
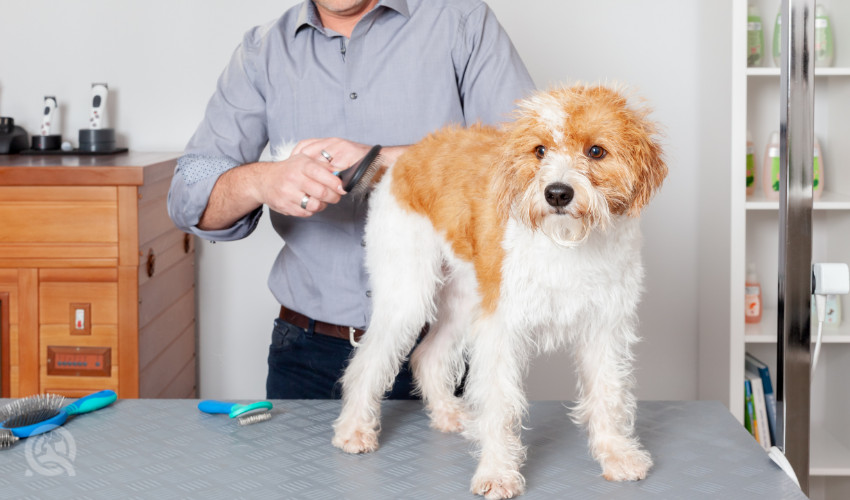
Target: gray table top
{"points": [[168, 449]]}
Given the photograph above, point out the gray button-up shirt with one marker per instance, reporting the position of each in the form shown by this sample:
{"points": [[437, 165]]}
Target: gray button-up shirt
{"points": [[409, 68]]}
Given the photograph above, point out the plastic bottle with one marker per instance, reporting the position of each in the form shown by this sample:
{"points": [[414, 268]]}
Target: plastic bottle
{"points": [[824, 48], [755, 37], [752, 296], [770, 171], [751, 165], [777, 32], [817, 167]]}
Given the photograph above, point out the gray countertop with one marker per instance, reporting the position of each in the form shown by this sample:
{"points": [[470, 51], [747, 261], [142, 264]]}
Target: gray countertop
{"points": [[168, 449]]}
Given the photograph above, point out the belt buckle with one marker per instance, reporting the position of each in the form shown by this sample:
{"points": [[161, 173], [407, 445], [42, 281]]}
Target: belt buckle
{"points": [[353, 342]]}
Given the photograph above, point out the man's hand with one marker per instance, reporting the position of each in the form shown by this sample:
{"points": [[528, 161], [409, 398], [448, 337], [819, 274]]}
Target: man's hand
{"points": [[306, 177], [342, 153], [299, 186]]}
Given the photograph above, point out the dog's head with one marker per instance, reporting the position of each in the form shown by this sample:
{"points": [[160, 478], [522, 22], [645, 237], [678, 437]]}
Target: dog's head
{"points": [[574, 158]]}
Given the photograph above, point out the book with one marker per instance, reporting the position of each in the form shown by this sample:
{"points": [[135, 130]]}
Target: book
{"points": [[754, 364], [760, 410], [749, 409]]}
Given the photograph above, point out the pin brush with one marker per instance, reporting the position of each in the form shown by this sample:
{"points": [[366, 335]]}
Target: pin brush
{"points": [[44, 412]]}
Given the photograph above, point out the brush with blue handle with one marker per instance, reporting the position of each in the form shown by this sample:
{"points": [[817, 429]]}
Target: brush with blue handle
{"points": [[43, 412], [245, 414]]}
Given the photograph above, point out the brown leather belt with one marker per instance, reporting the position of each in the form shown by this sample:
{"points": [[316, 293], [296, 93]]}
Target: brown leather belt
{"points": [[301, 321]]}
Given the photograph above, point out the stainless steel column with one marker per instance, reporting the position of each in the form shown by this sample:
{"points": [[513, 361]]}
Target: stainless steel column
{"points": [[795, 235]]}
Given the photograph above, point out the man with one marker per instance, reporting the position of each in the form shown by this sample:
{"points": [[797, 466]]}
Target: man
{"points": [[338, 76]]}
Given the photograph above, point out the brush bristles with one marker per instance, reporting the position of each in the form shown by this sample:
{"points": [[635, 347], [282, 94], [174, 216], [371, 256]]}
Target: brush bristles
{"points": [[7, 439], [254, 418], [31, 410], [371, 176]]}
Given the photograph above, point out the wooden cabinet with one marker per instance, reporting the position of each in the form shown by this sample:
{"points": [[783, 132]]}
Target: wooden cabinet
{"points": [[96, 284]]}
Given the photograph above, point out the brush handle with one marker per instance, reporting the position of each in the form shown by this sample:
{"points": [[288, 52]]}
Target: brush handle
{"points": [[212, 406], [91, 402]]}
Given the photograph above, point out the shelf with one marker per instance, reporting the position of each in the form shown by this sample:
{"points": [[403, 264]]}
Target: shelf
{"points": [[827, 201], [765, 332], [818, 71], [830, 456]]}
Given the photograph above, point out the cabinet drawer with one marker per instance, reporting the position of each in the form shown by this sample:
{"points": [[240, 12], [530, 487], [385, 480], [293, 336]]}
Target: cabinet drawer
{"points": [[52, 214]]}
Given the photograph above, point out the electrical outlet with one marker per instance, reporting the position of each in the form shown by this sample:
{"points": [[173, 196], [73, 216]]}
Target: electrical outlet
{"points": [[80, 322]]}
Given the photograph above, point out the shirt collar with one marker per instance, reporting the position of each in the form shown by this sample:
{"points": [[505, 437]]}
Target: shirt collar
{"points": [[309, 16]]}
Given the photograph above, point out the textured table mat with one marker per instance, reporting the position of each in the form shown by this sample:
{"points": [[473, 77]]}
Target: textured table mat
{"points": [[168, 449]]}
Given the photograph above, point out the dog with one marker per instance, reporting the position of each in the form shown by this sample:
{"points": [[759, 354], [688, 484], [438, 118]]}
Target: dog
{"points": [[511, 241]]}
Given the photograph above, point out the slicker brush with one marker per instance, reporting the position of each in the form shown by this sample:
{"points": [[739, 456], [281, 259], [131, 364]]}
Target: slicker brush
{"points": [[359, 179], [244, 414]]}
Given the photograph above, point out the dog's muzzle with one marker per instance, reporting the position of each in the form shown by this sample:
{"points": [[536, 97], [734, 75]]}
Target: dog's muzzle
{"points": [[558, 194]]}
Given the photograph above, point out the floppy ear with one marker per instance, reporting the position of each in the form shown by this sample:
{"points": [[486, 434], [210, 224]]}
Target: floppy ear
{"points": [[650, 170]]}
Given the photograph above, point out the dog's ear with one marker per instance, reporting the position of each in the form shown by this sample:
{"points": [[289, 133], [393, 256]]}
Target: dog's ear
{"points": [[651, 169]]}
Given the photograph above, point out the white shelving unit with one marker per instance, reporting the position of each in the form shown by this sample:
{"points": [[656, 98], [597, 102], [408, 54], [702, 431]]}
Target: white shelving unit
{"points": [[748, 232]]}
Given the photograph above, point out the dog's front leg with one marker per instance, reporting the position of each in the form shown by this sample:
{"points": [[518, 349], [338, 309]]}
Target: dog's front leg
{"points": [[494, 391], [606, 403]]}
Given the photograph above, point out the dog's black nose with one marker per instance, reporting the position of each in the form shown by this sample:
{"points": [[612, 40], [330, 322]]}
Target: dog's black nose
{"points": [[558, 194]]}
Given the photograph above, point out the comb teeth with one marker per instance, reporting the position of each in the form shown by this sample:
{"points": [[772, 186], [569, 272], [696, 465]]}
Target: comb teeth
{"points": [[7, 439], [254, 418], [31, 410]]}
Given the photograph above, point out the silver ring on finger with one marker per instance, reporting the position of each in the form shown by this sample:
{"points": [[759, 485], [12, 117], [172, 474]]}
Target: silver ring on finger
{"points": [[327, 156], [304, 201]]}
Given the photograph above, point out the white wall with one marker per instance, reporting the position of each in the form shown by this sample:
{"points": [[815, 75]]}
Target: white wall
{"points": [[161, 59]]}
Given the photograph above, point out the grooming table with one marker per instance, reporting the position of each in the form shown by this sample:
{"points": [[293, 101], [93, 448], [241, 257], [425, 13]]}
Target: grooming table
{"points": [[168, 449]]}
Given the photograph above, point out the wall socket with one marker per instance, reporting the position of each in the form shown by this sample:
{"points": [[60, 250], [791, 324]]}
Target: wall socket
{"points": [[80, 318]]}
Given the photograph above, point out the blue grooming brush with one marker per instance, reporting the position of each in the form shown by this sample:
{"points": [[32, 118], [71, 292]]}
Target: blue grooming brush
{"points": [[41, 413]]}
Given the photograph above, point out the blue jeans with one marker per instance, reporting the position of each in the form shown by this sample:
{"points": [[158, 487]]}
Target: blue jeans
{"points": [[308, 365]]}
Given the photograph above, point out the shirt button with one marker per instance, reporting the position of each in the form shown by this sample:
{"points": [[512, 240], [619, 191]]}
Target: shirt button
{"points": [[352, 95], [369, 293]]}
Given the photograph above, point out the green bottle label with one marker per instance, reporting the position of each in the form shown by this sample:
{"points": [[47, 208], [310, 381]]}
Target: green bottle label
{"points": [[751, 168], [755, 41], [773, 153]]}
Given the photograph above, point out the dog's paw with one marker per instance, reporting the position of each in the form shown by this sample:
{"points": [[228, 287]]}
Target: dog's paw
{"points": [[497, 486], [356, 440], [448, 417], [631, 465]]}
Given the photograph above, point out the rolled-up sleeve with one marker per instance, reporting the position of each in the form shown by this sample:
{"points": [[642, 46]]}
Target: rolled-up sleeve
{"points": [[191, 186], [233, 132], [491, 75]]}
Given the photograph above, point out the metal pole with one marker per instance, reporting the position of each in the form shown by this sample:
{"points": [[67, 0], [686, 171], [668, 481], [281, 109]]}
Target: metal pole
{"points": [[795, 235]]}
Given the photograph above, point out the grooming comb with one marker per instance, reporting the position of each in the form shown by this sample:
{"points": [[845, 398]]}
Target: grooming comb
{"points": [[244, 414], [43, 412]]}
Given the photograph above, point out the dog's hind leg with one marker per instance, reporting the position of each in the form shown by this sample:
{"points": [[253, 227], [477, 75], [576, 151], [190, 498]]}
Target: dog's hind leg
{"points": [[403, 256], [438, 362], [497, 365]]}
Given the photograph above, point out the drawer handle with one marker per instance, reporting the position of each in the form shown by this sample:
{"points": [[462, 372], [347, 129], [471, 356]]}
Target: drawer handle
{"points": [[187, 243], [151, 264]]}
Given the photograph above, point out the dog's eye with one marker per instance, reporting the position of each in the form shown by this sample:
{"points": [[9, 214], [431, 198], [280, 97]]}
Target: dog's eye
{"points": [[540, 152], [596, 152]]}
